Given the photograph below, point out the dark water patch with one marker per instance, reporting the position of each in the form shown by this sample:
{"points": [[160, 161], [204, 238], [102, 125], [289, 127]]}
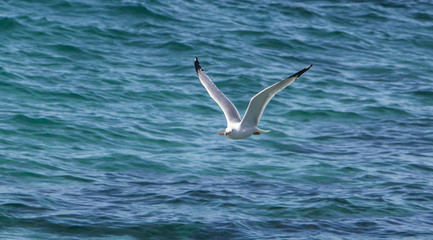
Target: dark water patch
{"points": [[248, 33], [33, 120], [385, 111], [59, 227], [275, 43], [117, 33], [68, 6], [423, 16], [424, 96], [69, 94], [142, 11], [24, 174], [207, 196], [74, 178], [10, 76], [116, 161], [302, 12], [21, 208], [322, 179], [175, 46], [325, 114], [324, 138], [157, 183], [421, 167], [8, 24], [399, 4]]}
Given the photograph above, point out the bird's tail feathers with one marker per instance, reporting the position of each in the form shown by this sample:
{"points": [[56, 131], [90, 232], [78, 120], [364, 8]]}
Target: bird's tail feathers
{"points": [[263, 131]]}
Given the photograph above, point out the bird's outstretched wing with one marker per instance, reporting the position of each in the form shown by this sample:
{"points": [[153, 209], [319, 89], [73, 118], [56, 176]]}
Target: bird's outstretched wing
{"points": [[260, 100], [230, 111]]}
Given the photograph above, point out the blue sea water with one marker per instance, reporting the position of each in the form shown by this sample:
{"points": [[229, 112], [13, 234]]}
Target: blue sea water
{"points": [[107, 133]]}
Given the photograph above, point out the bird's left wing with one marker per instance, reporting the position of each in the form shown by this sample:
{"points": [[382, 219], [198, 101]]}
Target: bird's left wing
{"points": [[230, 111], [260, 100]]}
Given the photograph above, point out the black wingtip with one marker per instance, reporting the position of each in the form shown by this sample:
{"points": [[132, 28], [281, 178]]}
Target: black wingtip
{"points": [[298, 74], [197, 65]]}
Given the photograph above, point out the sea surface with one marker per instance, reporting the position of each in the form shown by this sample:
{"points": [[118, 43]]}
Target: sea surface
{"points": [[107, 133]]}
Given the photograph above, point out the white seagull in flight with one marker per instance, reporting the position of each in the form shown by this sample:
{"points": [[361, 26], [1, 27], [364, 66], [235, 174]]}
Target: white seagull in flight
{"points": [[238, 128]]}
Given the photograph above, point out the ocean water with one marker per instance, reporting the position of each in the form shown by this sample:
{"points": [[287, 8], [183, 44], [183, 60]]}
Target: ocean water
{"points": [[107, 133]]}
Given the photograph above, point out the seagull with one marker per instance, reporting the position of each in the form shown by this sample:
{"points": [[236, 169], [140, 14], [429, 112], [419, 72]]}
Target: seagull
{"points": [[238, 128]]}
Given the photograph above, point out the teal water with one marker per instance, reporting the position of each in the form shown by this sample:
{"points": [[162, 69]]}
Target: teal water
{"points": [[107, 133]]}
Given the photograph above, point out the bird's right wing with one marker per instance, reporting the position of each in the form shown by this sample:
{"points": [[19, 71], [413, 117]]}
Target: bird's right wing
{"points": [[260, 100], [230, 111]]}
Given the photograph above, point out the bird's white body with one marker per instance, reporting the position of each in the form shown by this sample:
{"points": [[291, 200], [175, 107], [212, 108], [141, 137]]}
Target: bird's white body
{"points": [[236, 131], [238, 128]]}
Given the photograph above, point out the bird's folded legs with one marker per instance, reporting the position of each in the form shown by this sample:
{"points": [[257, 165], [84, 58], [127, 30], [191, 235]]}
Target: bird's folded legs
{"points": [[224, 133], [256, 133]]}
